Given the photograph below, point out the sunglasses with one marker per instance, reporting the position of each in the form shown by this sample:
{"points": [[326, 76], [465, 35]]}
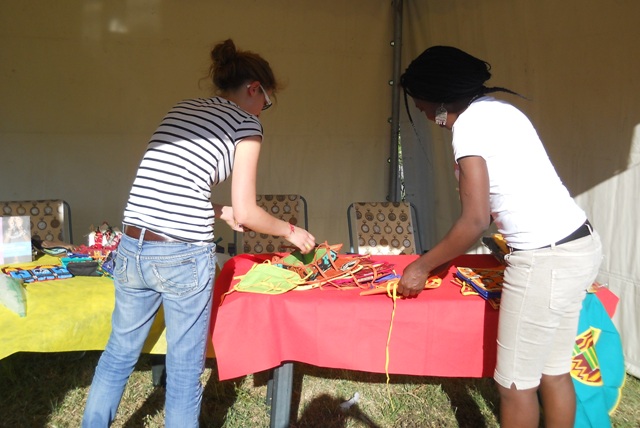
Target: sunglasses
{"points": [[267, 100]]}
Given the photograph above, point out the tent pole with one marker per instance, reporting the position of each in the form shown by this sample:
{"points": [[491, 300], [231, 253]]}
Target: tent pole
{"points": [[396, 43]]}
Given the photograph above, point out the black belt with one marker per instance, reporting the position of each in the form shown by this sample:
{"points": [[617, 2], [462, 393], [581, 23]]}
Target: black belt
{"points": [[135, 232], [581, 232]]}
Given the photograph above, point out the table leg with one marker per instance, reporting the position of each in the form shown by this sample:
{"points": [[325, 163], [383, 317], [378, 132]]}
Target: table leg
{"points": [[158, 370], [281, 390]]}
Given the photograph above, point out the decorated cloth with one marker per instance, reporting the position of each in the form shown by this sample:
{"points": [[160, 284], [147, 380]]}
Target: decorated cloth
{"points": [[486, 282], [598, 370]]}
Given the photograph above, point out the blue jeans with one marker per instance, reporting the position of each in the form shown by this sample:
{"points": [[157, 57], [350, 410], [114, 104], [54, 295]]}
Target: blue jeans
{"points": [[147, 274]]}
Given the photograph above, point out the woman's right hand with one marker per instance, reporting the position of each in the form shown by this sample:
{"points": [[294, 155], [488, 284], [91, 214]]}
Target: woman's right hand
{"points": [[301, 238]]}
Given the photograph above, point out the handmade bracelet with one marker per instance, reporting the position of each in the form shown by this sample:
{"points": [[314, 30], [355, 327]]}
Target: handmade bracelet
{"points": [[292, 229]]}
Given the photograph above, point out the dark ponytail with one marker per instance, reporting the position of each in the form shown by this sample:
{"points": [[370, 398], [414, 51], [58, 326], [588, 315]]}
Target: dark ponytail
{"points": [[444, 74]]}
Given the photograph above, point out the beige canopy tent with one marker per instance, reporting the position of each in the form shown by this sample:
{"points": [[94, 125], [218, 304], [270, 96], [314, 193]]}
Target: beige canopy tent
{"points": [[84, 83]]}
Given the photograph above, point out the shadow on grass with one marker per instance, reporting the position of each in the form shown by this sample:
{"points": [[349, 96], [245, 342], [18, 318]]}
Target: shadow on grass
{"points": [[467, 411], [35, 384], [217, 398], [153, 404], [38, 386], [325, 410]]}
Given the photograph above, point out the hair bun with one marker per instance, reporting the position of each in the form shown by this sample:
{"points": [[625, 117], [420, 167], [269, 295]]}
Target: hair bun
{"points": [[224, 53]]}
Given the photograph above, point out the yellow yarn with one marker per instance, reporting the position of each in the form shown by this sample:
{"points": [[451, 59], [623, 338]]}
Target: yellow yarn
{"points": [[392, 288]]}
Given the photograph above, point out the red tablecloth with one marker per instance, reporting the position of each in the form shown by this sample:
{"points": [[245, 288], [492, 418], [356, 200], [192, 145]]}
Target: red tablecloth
{"points": [[439, 333]]}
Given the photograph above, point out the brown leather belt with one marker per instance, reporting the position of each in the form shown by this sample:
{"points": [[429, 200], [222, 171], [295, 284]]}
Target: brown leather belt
{"points": [[581, 232], [135, 232]]}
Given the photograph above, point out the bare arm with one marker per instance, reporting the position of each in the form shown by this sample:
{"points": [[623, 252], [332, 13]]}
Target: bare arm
{"points": [[243, 200], [224, 212], [468, 228]]}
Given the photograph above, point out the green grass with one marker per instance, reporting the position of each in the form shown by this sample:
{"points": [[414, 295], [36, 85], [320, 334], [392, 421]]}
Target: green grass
{"points": [[49, 390]]}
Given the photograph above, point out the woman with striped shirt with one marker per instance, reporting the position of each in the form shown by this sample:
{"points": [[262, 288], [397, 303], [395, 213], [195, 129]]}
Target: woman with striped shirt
{"points": [[167, 256]]}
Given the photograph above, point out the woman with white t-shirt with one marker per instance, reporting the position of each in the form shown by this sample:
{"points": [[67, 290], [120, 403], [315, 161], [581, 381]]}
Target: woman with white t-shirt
{"points": [[505, 176]]}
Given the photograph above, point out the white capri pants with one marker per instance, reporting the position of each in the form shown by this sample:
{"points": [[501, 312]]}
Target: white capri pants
{"points": [[540, 307]]}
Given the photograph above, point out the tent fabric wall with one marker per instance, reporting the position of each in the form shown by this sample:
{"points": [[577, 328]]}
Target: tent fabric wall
{"points": [[577, 64], [83, 84]]}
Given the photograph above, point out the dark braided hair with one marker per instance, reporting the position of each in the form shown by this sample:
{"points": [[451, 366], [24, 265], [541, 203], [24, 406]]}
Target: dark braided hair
{"points": [[444, 74]]}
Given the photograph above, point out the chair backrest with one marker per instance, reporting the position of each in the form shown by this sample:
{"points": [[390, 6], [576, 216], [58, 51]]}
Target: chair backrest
{"points": [[290, 208], [383, 228], [50, 218]]}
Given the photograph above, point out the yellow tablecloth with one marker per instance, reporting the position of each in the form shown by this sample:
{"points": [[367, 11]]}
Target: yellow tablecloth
{"points": [[68, 315]]}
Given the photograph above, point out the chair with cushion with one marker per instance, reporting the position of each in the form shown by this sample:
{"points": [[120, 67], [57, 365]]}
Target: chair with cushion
{"points": [[290, 208], [50, 218], [383, 228]]}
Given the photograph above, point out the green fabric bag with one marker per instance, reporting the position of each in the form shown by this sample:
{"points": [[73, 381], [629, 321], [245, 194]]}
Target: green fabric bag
{"points": [[266, 278], [13, 295]]}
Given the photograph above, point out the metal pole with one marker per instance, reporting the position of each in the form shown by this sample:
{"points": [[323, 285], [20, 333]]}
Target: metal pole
{"points": [[396, 43]]}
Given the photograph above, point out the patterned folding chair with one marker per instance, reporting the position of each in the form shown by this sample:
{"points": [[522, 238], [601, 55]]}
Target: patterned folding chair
{"points": [[383, 228], [50, 218], [290, 208]]}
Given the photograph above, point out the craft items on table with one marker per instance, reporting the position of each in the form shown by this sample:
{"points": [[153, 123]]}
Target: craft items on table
{"points": [[94, 259], [486, 282], [389, 286], [38, 273], [97, 257], [101, 241], [104, 236], [325, 266], [497, 245]]}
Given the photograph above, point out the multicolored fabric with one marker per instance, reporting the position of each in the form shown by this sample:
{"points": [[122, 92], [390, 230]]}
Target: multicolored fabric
{"points": [[486, 282], [597, 371], [324, 266]]}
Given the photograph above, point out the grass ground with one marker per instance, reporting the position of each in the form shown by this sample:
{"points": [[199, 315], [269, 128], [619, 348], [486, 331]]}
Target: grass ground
{"points": [[49, 390]]}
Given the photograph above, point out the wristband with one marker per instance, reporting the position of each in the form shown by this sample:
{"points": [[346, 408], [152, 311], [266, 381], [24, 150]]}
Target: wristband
{"points": [[292, 229]]}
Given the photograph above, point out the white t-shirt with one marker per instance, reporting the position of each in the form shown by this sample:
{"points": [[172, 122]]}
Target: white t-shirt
{"points": [[529, 204]]}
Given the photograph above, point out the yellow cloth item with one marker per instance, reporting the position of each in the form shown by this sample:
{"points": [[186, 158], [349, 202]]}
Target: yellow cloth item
{"points": [[68, 315]]}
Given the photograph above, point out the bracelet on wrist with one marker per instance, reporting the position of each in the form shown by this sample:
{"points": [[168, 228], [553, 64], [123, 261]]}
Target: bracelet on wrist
{"points": [[292, 230]]}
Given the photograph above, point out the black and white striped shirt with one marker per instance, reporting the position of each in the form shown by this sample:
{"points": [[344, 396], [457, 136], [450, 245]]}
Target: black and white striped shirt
{"points": [[191, 151]]}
